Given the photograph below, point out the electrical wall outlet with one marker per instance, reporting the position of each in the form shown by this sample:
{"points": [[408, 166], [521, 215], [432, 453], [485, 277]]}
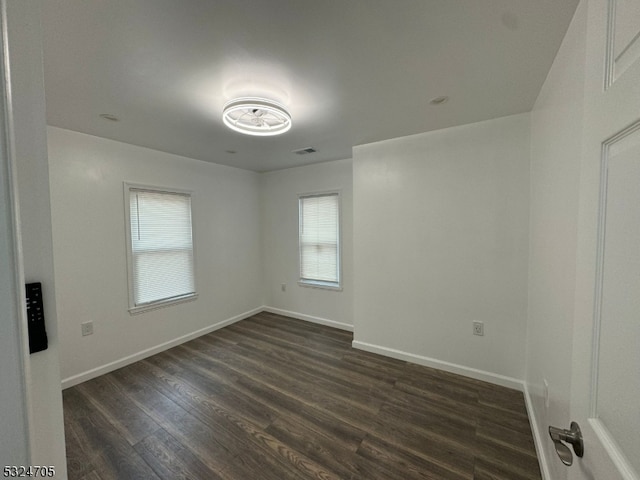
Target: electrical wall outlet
{"points": [[478, 328], [283, 287], [87, 328]]}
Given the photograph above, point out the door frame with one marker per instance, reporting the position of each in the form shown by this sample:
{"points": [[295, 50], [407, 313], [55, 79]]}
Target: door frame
{"points": [[15, 278]]}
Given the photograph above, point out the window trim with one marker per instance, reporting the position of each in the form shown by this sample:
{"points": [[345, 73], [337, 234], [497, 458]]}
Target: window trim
{"points": [[137, 309], [321, 284]]}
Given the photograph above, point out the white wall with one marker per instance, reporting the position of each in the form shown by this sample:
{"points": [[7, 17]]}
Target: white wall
{"points": [[556, 136], [441, 239], [44, 399], [280, 191], [87, 175]]}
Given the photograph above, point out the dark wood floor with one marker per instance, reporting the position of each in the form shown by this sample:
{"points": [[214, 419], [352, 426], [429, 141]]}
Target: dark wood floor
{"points": [[276, 398]]}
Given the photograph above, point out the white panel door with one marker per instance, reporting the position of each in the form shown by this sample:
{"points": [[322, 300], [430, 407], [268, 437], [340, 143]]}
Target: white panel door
{"points": [[605, 398]]}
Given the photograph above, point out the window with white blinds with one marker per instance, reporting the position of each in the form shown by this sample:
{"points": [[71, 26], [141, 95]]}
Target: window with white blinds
{"points": [[161, 266], [319, 237]]}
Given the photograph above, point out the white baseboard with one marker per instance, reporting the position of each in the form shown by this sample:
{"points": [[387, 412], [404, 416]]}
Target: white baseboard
{"points": [[538, 436], [495, 378], [109, 367], [310, 318]]}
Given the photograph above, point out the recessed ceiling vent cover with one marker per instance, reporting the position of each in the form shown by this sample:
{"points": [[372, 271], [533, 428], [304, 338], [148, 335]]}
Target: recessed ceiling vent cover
{"points": [[256, 116], [304, 151]]}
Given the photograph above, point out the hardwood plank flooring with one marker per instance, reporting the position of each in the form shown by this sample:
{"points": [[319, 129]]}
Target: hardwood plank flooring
{"points": [[272, 397]]}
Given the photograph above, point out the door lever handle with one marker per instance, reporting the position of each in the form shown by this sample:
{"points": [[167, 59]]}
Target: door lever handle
{"points": [[573, 436]]}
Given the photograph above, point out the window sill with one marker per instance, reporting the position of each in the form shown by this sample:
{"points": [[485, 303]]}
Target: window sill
{"points": [[320, 284], [162, 304]]}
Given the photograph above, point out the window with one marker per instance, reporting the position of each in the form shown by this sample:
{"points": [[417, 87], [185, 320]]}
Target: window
{"points": [[160, 247], [319, 237]]}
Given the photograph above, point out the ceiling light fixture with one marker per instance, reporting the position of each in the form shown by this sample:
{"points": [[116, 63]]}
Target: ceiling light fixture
{"points": [[256, 116]]}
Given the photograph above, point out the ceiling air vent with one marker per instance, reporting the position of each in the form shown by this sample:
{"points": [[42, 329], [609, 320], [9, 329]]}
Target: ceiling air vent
{"points": [[304, 151]]}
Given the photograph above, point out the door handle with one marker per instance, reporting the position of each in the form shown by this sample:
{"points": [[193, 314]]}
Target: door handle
{"points": [[573, 436]]}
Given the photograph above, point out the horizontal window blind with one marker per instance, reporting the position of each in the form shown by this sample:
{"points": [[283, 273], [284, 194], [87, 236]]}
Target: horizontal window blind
{"points": [[319, 238], [161, 245]]}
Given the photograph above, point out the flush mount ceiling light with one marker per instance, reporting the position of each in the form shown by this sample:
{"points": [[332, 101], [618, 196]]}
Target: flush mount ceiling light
{"points": [[256, 116]]}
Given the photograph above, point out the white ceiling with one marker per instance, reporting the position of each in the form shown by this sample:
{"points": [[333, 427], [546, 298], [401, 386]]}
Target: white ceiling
{"points": [[349, 71]]}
